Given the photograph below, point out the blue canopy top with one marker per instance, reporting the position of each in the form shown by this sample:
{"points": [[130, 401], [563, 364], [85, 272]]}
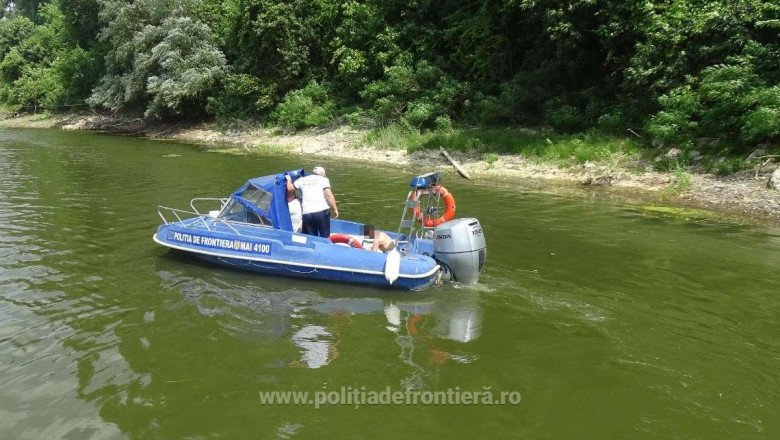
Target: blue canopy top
{"points": [[266, 196], [425, 180]]}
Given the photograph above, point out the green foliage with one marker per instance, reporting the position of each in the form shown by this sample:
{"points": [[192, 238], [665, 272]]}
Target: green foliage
{"points": [[163, 60], [681, 108], [730, 165], [566, 150], [762, 123], [681, 182], [77, 70], [613, 122], [562, 116], [269, 42], [485, 110], [238, 97], [29, 8], [12, 66], [38, 87], [490, 158], [306, 107], [728, 100], [682, 69], [395, 137], [417, 95], [44, 69], [14, 31], [81, 20], [220, 16]]}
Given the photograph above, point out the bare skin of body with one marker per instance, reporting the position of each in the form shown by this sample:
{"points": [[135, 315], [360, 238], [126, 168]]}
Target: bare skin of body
{"points": [[382, 242]]}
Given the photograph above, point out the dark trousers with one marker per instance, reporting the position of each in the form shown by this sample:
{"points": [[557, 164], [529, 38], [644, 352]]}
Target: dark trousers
{"points": [[317, 223]]}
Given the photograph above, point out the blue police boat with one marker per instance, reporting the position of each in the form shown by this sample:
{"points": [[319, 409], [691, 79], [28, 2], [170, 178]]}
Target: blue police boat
{"points": [[251, 230]]}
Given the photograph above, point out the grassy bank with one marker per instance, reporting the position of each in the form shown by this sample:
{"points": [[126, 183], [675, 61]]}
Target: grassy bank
{"points": [[630, 153], [536, 145], [541, 146]]}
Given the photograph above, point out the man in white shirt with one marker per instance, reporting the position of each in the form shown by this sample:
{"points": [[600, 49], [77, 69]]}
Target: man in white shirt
{"points": [[317, 199]]}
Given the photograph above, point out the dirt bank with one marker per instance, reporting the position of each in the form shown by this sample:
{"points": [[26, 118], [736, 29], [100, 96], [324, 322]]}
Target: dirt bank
{"points": [[745, 194]]}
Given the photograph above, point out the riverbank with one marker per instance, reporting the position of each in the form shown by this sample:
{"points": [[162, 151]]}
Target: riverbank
{"points": [[742, 194]]}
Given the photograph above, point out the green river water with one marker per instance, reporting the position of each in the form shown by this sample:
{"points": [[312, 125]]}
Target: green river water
{"points": [[610, 323]]}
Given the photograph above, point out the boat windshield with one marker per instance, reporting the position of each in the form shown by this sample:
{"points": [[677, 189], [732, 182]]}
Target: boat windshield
{"points": [[257, 197], [236, 212], [237, 209]]}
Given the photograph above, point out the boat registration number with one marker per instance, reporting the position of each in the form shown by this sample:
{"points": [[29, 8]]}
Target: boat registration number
{"points": [[243, 245]]}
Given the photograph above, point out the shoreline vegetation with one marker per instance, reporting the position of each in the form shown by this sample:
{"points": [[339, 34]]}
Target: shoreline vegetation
{"points": [[662, 178], [677, 97]]}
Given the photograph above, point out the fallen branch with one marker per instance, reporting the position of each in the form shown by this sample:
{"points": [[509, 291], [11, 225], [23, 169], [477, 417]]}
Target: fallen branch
{"points": [[758, 170], [457, 166]]}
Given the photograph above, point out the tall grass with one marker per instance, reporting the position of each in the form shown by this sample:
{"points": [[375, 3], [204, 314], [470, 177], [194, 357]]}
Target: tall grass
{"points": [[564, 150]]}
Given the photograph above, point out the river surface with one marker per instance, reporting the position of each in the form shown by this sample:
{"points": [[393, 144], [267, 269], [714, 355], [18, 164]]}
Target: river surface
{"points": [[611, 324]]}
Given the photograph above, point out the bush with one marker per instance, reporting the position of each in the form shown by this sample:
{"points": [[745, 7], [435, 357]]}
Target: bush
{"points": [[679, 117], [395, 137], [12, 66], [443, 124], [612, 122], [728, 101], [239, 97], [762, 123], [726, 166], [306, 107], [485, 110], [490, 158], [13, 32], [37, 88], [356, 117], [562, 116], [77, 70], [415, 95], [418, 113]]}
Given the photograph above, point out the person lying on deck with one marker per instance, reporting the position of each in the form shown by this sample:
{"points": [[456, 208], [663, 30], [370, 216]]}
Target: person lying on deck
{"points": [[382, 241]]}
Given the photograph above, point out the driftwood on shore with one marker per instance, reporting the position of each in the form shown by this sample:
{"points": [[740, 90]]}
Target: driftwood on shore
{"points": [[455, 164]]}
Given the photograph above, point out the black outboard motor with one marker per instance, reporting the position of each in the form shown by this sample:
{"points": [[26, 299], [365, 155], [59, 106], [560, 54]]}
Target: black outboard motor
{"points": [[460, 245]]}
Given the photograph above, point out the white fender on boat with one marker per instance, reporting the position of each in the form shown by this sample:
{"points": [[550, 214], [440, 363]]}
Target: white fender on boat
{"points": [[392, 265]]}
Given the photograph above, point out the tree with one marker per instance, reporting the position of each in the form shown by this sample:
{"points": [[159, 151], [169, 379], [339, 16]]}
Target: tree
{"points": [[13, 32], [161, 59], [81, 19]]}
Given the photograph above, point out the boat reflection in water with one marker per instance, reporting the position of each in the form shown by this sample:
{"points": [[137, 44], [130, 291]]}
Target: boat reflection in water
{"points": [[316, 320], [415, 324]]}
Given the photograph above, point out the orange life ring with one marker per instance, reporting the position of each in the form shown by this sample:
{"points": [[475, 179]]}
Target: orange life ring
{"points": [[449, 207], [346, 239]]}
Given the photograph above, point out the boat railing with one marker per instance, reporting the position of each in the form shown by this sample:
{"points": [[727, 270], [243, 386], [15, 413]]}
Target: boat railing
{"points": [[189, 215], [222, 202]]}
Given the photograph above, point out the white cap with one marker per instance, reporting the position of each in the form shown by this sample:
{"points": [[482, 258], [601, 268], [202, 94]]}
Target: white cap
{"points": [[319, 170]]}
